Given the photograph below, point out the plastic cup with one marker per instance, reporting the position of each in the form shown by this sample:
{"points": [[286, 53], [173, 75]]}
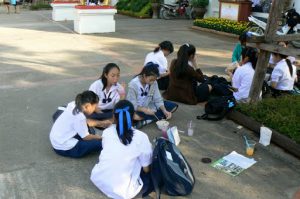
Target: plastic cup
{"points": [[190, 130], [250, 147]]}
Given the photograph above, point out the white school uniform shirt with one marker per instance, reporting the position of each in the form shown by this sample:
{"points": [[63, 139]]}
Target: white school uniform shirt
{"points": [[281, 75], [117, 173], [66, 127], [113, 93], [242, 80], [292, 59], [158, 58], [152, 100]]}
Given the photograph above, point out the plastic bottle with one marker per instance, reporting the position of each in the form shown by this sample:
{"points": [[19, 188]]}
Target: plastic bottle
{"points": [[190, 128]]}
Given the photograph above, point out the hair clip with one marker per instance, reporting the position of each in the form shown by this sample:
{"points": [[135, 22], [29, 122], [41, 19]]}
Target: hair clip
{"points": [[188, 45]]}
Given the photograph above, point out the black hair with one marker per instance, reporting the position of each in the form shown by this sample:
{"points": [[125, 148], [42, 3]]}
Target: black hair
{"points": [[252, 55], [165, 45], [150, 69], [288, 62], [243, 37], [126, 138], [83, 98], [105, 71], [183, 55]]}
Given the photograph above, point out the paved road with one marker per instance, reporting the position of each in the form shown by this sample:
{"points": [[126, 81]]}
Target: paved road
{"points": [[44, 64]]}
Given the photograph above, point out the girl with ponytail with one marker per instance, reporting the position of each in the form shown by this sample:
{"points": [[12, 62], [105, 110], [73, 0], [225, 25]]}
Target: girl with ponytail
{"points": [[185, 77], [123, 167], [283, 76], [158, 56], [243, 75], [70, 135]]}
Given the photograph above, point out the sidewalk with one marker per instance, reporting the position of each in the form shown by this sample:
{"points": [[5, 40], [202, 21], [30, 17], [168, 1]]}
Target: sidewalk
{"points": [[44, 64]]}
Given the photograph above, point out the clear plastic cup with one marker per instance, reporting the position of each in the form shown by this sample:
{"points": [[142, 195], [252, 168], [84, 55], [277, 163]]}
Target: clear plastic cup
{"points": [[250, 147]]}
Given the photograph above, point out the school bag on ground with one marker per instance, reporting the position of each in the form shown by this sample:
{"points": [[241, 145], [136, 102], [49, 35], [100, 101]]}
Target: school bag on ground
{"points": [[170, 171], [217, 108]]}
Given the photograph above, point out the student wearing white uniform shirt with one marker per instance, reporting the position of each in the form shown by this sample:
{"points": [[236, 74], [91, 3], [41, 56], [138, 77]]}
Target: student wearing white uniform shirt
{"points": [[109, 92], [123, 167], [69, 135], [283, 76], [158, 56], [144, 94], [243, 76]]}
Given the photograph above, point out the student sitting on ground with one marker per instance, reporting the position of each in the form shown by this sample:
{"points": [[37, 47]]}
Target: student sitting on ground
{"points": [[123, 167], [158, 56], [69, 135], [109, 92], [185, 78], [283, 76], [237, 55], [144, 94], [243, 76]]}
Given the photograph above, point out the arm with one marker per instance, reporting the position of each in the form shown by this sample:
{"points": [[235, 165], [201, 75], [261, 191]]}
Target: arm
{"points": [[92, 137], [146, 169], [98, 123], [196, 74]]}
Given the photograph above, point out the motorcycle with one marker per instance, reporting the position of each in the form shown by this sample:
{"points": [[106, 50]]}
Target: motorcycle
{"points": [[292, 25], [179, 9]]}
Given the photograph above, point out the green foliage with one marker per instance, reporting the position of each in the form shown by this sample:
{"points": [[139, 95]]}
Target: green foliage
{"points": [[200, 3], [224, 25], [136, 8], [41, 6], [281, 114]]}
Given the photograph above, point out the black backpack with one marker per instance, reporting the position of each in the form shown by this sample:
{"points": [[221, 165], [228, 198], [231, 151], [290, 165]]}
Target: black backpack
{"points": [[170, 171], [217, 108]]}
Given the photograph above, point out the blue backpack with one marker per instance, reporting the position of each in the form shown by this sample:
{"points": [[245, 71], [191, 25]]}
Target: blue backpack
{"points": [[170, 171]]}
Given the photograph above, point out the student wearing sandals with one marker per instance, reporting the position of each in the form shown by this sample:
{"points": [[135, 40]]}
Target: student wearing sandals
{"points": [[69, 135], [123, 167], [158, 56], [144, 94], [186, 80], [109, 92]]}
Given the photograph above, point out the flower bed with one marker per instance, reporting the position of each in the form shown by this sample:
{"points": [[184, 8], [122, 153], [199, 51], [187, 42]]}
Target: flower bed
{"points": [[281, 114], [224, 25], [135, 8]]}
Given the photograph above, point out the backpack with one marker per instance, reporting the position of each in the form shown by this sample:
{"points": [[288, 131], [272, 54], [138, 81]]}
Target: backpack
{"points": [[221, 87], [170, 171], [218, 107]]}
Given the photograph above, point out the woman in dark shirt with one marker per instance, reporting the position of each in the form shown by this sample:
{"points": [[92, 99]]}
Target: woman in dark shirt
{"points": [[184, 85]]}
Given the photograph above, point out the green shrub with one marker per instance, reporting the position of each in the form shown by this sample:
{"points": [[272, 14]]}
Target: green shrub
{"points": [[200, 3], [136, 8], [224, 25], [281, 114], [41, 6]]}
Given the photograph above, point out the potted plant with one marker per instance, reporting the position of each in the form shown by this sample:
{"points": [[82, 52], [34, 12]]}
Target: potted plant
{"points": [[155, 5], [199, 8]]}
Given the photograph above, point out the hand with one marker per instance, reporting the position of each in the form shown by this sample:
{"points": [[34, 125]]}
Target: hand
{"points": [[104, 123], [148, 111], [168, 115]]}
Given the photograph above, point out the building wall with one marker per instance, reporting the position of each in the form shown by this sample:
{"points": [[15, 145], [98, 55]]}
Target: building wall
{"points": [[212, 9]]}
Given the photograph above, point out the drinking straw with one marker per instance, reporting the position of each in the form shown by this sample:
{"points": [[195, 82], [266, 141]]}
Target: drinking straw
{"points": [[246, 140], [156, 117]]}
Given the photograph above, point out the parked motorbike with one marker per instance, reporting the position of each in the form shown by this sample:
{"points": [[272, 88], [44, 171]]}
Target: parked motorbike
{"points": [[179, 9], [292, 25]]}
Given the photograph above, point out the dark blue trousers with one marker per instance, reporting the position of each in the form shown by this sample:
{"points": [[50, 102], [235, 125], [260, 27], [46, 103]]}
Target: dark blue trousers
{"points": [[82, 148], [170, 106]]}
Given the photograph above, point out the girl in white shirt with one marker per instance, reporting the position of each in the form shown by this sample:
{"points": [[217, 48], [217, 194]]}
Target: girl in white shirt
{"points": [[69, 135], [109, 92], [123, 167], [144, 94], [243, 76], [158, 56], [283, 76]]}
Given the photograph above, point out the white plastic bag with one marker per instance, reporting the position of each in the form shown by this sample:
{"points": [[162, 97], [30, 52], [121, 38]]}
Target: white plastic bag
{"points": [[173, 135], [265, 136]]}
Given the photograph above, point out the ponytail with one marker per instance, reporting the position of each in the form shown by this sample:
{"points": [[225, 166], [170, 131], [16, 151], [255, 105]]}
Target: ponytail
{"points": [[182, 62], [165, 45], [84, 98], [123, 114], [289, 63]]}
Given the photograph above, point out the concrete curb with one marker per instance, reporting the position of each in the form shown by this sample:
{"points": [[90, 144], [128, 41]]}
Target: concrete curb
{"points": [[281, 140], [215, 32]]}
